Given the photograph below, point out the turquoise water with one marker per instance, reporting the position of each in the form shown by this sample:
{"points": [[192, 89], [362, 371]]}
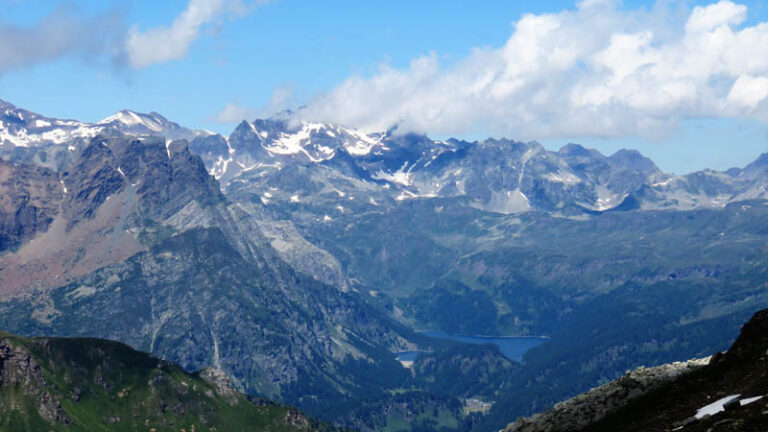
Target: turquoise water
{"points": [[512, 347], [407, 355]]}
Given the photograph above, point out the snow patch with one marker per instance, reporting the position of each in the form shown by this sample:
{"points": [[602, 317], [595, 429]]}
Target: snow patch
{"points": [[361, 143], [508, 202], [402, 176], [606, 199], [715, 407], [410, 195], [747, 401], [289, 144], [132, 119], [564, 177]]}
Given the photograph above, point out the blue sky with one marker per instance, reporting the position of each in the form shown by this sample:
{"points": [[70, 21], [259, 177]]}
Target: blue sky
{"points": [[329, 55]]}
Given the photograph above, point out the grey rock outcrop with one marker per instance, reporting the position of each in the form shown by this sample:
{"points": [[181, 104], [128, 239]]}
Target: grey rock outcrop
{"points": [[18, 369], [580, 411]]}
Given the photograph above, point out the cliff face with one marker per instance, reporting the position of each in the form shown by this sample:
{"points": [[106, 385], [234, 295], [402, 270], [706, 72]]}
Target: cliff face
{"points": [[90, 384], [725, 392], [134, 241], [29, 198], [21, 372]]}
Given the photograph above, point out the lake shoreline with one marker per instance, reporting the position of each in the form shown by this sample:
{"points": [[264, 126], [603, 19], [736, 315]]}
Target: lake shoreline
{"points": [[481, 336], [511, 347]]}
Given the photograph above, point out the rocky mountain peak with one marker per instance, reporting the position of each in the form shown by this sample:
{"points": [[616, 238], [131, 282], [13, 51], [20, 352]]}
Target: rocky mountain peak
{"points": [[153, 121], [632, 159], [577, 150], [494, 174]]}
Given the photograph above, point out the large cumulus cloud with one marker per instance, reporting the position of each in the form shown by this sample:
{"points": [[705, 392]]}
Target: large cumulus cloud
{"points": [[597, 70]]}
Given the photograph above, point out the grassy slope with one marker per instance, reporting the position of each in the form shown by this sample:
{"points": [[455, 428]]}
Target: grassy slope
{"points": [[98, 382]]}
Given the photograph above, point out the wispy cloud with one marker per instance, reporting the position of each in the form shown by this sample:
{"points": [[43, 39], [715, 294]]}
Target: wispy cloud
{"points": [[596, 70], [69, 32], [63, 32], [234, 113], [162, 44], [283, 98]]}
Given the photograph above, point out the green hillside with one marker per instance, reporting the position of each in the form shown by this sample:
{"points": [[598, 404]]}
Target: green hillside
{"points": [[60, 384]]}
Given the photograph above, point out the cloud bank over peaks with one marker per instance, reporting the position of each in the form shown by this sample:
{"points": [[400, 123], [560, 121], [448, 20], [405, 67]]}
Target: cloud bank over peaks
{"points": [[599, 70]]}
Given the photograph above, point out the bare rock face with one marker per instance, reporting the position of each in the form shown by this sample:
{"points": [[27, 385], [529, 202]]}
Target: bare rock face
{"points": [[578, 412], [29, 197], [218, 378], [18, 369]]}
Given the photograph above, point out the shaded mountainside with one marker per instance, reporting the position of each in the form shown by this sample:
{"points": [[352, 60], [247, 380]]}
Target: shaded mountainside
{"points": [[52, 384], [633, 326], [28, 202], [728, 394], [521, 241], [194, 299], [613, 291], [138, 244]]}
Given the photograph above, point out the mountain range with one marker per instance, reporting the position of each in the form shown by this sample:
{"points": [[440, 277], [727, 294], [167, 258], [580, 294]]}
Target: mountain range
{"points": [[296, 258], [501, 176]]}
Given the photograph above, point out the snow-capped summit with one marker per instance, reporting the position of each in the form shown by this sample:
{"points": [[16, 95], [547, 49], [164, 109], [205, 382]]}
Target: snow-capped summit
{"points": [[153, 121], [329, 165], [22, 128], [135, 123], [314, 142]]}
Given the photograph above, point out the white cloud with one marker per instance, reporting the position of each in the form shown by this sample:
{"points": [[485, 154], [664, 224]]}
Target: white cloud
{"points": [[162, 44], [704, 19], [282, 99], [748, 91], [64, 32], [597, 70], [68, 32], [234, 113]]}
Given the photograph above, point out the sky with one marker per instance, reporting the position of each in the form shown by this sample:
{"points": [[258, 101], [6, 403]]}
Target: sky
{"points": [[684, 82]]}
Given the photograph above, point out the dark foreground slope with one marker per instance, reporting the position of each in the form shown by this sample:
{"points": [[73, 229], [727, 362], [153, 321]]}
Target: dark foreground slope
{"points": [[53, 384], [672, 401]]}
